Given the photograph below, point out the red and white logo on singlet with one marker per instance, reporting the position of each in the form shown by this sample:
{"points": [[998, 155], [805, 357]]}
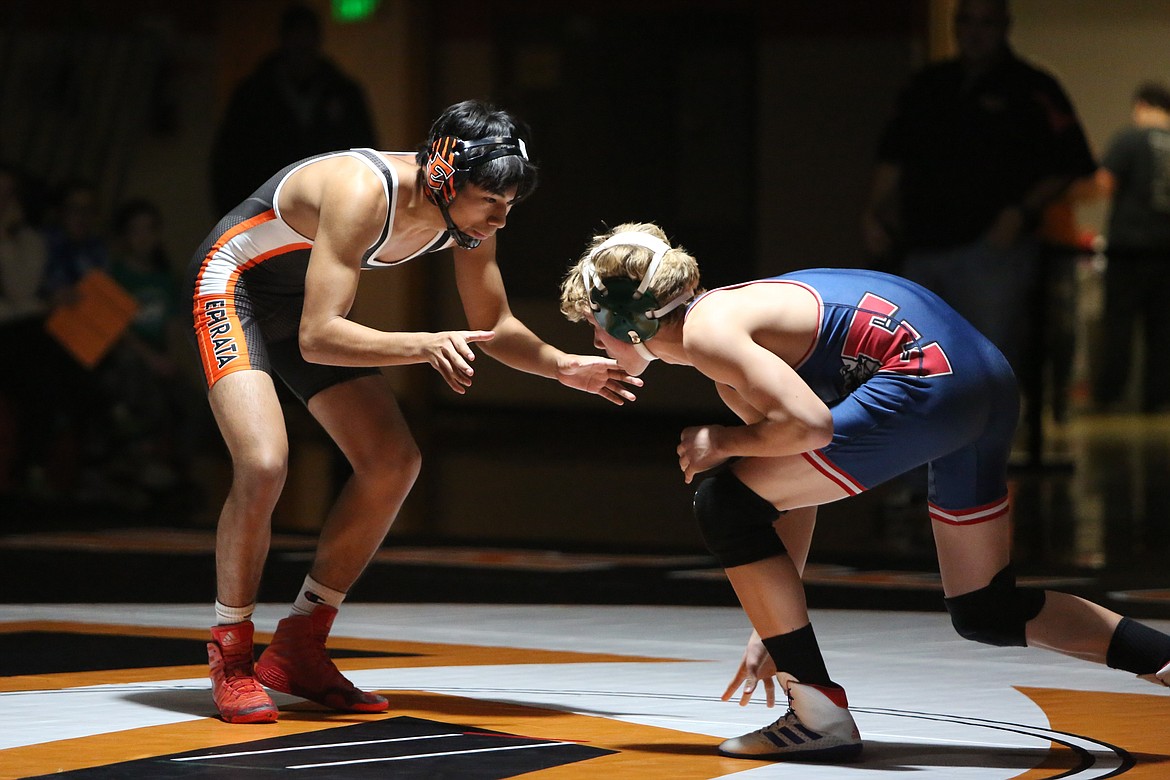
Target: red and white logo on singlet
{"points": [[878, 342]]}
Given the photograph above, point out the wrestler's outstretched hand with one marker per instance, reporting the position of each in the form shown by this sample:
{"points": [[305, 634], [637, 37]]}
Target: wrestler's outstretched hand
{"points": [[755, 667], [450, 354], [599, 375]]}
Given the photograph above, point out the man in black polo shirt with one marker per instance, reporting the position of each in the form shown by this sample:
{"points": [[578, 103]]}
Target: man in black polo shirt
{"points": [[1135, 172], [976, 149]]}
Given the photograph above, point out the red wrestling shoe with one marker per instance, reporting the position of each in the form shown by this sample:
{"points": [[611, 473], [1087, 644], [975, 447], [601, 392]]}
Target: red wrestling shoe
{"points": [[234, 687], [297, 663]]}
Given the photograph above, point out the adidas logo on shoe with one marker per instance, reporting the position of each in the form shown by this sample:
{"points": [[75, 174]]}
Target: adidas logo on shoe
{"points": [[817, 727], [237, 693]]}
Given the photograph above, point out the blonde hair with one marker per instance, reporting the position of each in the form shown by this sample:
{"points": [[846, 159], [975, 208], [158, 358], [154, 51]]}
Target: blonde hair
{"points": [[678, 272]]}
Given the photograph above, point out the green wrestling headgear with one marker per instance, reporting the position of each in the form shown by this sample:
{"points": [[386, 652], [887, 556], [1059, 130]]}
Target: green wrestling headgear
{"points": [[624, 307]]}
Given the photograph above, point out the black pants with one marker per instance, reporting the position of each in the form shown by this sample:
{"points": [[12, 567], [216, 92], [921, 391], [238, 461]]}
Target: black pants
{"points": [[1135, 298]]}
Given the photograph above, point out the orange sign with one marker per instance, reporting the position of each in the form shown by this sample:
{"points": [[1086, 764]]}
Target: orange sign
{"points": [[94, 321]]}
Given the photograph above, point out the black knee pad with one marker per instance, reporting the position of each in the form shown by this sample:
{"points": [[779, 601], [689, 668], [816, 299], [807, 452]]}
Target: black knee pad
{"points": [[996, 615], [736, 523]]}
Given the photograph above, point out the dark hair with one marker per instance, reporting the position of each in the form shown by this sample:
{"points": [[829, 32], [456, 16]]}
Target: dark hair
{"points": [[72, 186], [133, 208], [1003, 7], [127, 211], [60, 194], [298, 17], [1153, 94], [472, 120]]}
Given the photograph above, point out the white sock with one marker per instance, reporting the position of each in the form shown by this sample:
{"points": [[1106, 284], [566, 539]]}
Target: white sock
{"points": [[225, 614], [314, 593]]}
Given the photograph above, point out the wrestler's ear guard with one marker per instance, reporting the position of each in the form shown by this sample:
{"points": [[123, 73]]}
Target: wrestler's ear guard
{"points": [[450, 160], [623, 311], [625, 308]]}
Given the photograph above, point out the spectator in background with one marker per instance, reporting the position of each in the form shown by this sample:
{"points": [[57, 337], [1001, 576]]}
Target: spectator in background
{"points": [[1065, 244], [23, 256], [150, 400], [296, 103], [1135, 174], [977, 148], [78, 442], [75, 239], [140, 265]]}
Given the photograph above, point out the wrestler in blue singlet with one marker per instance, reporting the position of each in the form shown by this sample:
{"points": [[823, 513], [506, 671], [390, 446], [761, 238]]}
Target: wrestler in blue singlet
{"points": [[909, 382]]}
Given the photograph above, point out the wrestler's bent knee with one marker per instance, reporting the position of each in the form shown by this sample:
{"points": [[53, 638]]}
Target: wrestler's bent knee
{"points": [[998, 613], [736, 523]]}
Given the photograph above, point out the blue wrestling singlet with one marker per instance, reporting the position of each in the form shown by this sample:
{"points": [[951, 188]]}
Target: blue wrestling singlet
{"points": [[909, 382]]}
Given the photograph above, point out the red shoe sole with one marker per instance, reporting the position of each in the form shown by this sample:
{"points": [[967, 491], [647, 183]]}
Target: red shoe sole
{"points": [[272, 676], [263, 716]]}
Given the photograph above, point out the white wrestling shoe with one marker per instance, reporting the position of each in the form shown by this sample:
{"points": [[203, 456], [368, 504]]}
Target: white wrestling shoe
{"points": [[817, 727], [1160, 677]]}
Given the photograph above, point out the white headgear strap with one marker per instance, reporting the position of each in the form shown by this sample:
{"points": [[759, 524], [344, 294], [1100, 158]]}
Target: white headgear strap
{"points": [[634, 238], [641, 349]]}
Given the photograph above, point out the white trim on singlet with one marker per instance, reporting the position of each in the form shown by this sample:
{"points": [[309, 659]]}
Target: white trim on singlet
{"points": [[440, 241], [369, 257], [268, 237], [284, 179]]}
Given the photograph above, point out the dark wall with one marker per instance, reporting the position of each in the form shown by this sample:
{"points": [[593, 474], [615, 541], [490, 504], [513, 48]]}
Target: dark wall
{"points": [[744, 129]]}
